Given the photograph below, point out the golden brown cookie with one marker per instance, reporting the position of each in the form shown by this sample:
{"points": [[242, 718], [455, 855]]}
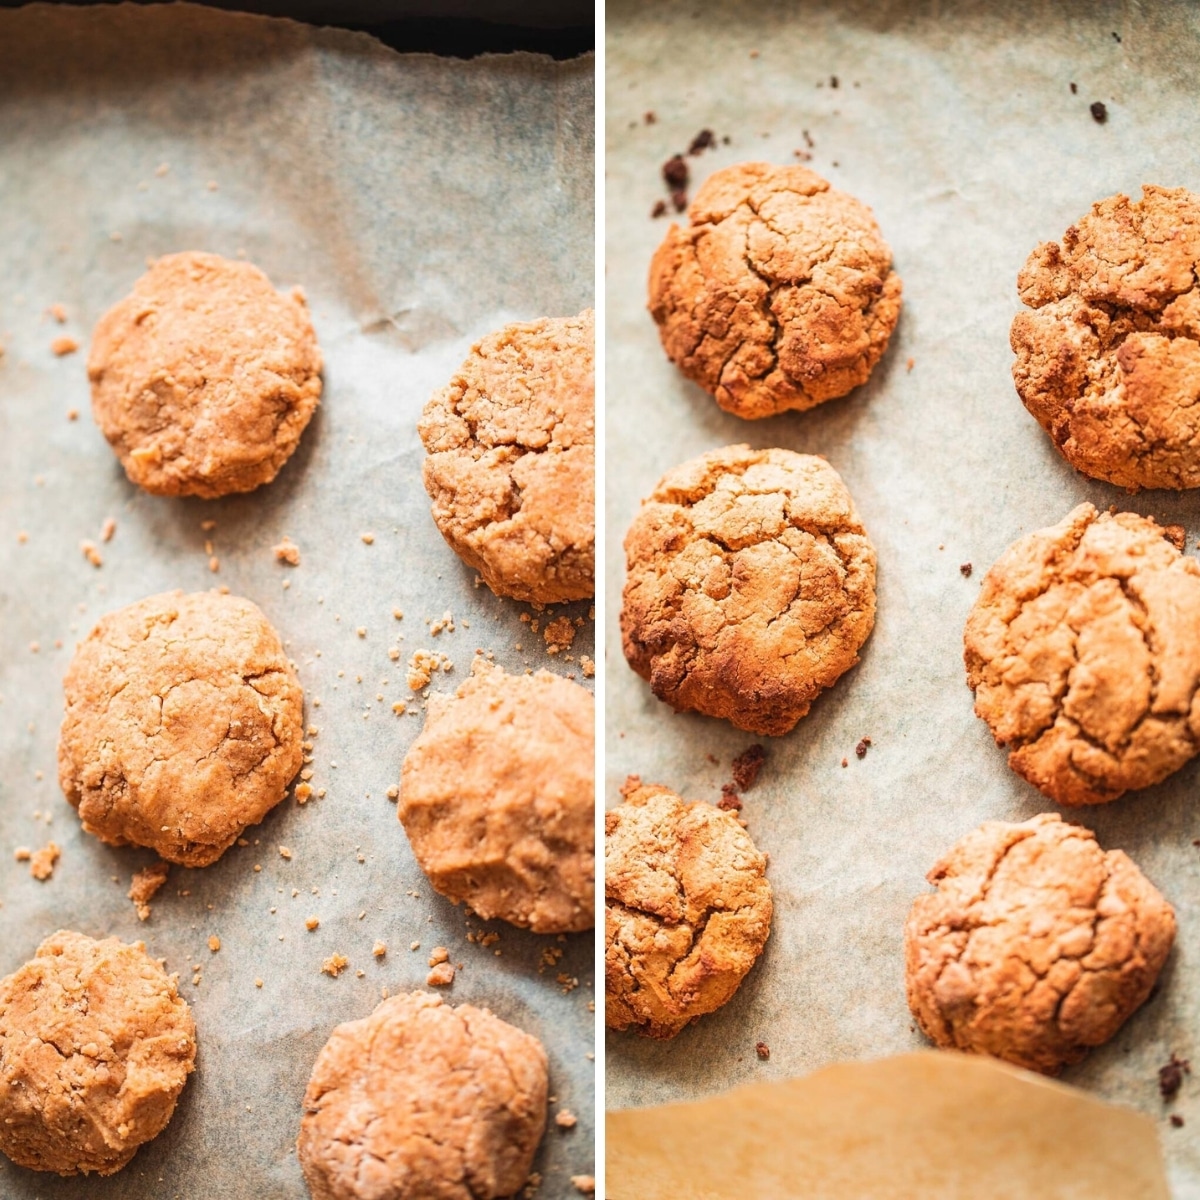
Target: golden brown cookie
{"points": [[687, 910], [750, 586], [497, 797], [1036, 946], [511, 464], [421, 1101], [183, 725], [204, 378], [95, 1047], [779, 294], [1108, 361], [1083, 651]]}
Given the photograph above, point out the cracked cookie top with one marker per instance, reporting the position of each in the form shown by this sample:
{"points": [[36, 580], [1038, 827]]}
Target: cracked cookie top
{"points": [[687, 909], [511, 466], [421, 1101], [1108, 361], [497, 797], [1083, 651], [204, 378], [1036, 945], [95, 1046], [183, 725], [779, 294], [750, 586]]}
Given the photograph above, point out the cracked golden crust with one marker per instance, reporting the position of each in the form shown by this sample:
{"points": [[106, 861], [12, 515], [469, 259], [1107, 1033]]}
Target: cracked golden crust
{"points": [[1083, 651], [1108, 360], [204, 377], [779, 294], [421, 1101], [497, 797], [750, 586], [183, 725], [95, 1047], [1036, 945], [687, 910], [511, 465]]}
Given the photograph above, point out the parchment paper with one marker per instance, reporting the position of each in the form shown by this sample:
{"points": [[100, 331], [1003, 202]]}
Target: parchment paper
{"points": [[957, 124], [420, 203]]}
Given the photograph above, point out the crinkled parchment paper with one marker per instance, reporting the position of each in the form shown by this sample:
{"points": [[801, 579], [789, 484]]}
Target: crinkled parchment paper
{"points": [[421, 203], [957, 124]]}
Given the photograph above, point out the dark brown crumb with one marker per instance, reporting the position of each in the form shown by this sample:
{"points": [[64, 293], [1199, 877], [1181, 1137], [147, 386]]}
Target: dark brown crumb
{"points": [[650, 118], [1074, 90], [762, 1050], [1196, 841], [675, 172], [965, 570], [725, 140], [802, 155], [1099, 112], [1170, 1076], [1116, 37], [679, 199], [716, 762], [833, 81], [808, 141], [862, 748], [729, 801], [747, 766], [704, 140], [1177, 1120], [659, 209]]}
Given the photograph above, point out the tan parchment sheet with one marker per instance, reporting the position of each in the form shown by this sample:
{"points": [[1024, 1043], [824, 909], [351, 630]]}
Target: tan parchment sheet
{"points": [[421, 202], [956, 122]]}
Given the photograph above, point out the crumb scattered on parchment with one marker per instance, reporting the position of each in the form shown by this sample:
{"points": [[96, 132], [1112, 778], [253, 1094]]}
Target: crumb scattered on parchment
{"points": [[303, 793], [423, 665], [584, 1183], [22, 854], [762, 1050], [589, 667], [1170, 1076], [379, 949], [531, 1185], [63, 345], [214, 943], [58, 312], [1099, 111], [747, 766], [445, 621], [312, 923], [368, 538], [965, 570], [845, 762], [438, 955], [730, 801], [441, 976], [287, 552], [108, 529], [41, 862], [862, 747], [1176, 1120], [912, 362], [284, 852], [90, 551], [559, 635], [144, 886], [565, 1119], [334, 965]]}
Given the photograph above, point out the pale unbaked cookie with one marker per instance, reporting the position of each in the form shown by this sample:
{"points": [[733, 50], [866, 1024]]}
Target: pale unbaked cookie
{"points": [[95, 1047], [511, 464], [497, 797], [1083, 651], [183, 725], [1036, 946], [421, 1101], [750, 586], [779, 294], [204, 378], [687, 910], [1108, 361]]}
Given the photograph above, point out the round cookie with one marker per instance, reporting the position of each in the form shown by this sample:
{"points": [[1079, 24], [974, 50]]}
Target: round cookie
{"points": [[1083, 650], [779, 294], [687, 910], [1036, 946], [95, 1047], [750, 586], [204, 378], [1108, 361], [511, 466], [183, 725], [421, 1101], [497, 797]]}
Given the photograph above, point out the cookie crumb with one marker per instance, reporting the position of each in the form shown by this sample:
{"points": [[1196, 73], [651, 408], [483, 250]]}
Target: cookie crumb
{"points": [[675, 172], [41, 862], [912, 362], [91, 553], [862, 747], [965, 570], [747, 766], [1177, 1120], [441, 976], [334, 965], [704, 140], [1099, 112], [144, 885], [438, 955], [586, 1183], [762, 1050], [303, 793], [729, 801], [368, 538], [284, 852], [845, 762], [287, 552], [108, 529], [379, 949], [1074, 89], [588, 667], [1170, 1076], [22, 854], [565, 1119], [659, 209], [63, 345], [559, 635], [312, 923]]}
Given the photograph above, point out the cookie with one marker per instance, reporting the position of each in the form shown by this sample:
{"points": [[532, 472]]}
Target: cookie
{"points": [[204, 378], [95, 1047], [421, 1101], [750, 586], [1036, 946], [1083, 650], [1108, 360], [511, 466], [687, 910], [497, 797], [183, 725], [780, 293]]}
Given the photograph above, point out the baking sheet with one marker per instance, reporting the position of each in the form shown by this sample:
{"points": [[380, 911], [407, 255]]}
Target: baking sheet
{"points": [[418, 201], [957, 124]]}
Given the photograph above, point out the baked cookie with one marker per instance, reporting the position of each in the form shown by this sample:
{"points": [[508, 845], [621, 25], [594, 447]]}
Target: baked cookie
{"points": [[780, 293], [750, 586], [183, 725], [95, 1046], [1108, 361], [511, 464], [497, 797], [687, 910], [421, 1101], [204, 378], [1036, 945], [1083, 651]]}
